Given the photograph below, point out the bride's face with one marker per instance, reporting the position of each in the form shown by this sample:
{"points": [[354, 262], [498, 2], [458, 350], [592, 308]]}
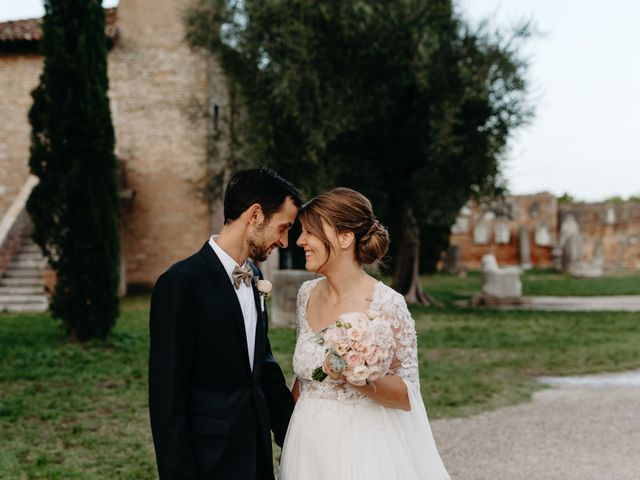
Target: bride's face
{"points": [[316, 254]]}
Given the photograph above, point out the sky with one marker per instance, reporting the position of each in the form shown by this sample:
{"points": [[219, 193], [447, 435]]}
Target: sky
{"points": [[585, 78]]}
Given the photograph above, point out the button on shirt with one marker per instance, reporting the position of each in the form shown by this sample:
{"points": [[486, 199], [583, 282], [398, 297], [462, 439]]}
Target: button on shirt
{"points": [[245, 297]]}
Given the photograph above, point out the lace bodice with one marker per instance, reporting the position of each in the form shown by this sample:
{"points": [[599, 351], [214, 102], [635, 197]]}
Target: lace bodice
{"points": [[309, 354]]}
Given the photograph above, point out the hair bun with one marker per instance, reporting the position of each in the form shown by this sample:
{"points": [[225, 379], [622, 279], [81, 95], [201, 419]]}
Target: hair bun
{"points": [[374, 244]]}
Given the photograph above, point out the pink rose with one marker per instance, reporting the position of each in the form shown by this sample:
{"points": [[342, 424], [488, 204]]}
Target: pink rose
{"points": [[372, 357], [326, 367], [355, 333], [354, 359]]}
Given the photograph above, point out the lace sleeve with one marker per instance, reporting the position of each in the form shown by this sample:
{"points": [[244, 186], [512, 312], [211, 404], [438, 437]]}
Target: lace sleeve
{"points": [[405, 361], [301, 304]]}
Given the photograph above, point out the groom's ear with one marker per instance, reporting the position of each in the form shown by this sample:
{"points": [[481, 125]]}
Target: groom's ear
{"points": [[255, 215]]}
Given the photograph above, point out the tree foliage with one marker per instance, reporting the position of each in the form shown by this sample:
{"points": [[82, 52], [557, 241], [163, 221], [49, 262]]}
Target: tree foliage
{"points": [[398, 99], [74, 207]]}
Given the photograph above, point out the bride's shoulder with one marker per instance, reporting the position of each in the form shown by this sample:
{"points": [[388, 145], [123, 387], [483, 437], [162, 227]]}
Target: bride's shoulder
{"points": [[307, 286], [389, 302], [388, 297]]}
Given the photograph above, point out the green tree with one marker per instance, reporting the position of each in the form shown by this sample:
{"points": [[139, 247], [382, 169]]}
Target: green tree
{"points": [[398, 99], [74, 207]]}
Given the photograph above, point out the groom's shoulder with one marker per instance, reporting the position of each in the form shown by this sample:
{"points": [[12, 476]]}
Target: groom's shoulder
{"points": [[185, 268]]}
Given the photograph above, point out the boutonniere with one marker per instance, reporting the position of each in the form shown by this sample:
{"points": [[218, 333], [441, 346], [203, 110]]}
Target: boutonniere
{"points": [[264, 288]]}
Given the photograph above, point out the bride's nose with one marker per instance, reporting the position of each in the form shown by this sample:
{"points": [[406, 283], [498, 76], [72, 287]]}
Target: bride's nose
{"points": [[300, 240]]}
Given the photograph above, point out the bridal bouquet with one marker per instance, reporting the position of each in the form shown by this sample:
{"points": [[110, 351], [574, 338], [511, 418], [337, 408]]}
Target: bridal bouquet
{"points": [[359, 348]]}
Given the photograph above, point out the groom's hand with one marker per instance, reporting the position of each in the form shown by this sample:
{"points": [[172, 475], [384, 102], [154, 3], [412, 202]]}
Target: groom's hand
{"points": [[295, 390]]}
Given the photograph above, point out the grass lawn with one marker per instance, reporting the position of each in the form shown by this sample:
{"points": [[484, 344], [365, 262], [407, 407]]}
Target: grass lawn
{"points": [[80, 411], [448, 288]]}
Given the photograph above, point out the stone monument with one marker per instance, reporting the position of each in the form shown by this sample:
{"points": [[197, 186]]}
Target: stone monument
{"points": [[286, 284], [502, 233], [500, 285], [524, 248], [570, 243]]}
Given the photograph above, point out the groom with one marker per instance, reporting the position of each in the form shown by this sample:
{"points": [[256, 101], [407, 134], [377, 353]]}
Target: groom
{"points": [[215, 390]]}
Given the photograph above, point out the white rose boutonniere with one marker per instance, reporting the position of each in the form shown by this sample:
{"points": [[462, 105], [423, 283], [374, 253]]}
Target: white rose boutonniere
{"points": [[264, 289]]}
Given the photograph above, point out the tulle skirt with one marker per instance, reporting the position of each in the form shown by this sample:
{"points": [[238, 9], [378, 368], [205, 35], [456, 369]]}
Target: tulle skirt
{"points": [[360, 440]]}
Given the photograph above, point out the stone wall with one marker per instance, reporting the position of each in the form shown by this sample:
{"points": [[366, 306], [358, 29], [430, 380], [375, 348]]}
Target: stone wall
{"points": [[496, 227], [616, 226], [159, 94], [19, 75], [155, 80]]}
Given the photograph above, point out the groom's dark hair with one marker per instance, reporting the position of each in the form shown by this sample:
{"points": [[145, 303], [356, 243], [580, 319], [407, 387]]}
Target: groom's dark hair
{"points": [[257, 185]]}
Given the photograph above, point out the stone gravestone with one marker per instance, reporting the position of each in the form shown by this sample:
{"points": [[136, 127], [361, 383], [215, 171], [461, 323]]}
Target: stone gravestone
{"points": [[570, 243], [452, 259], [543, 235], [593, 269], [286, 284], [524, 248], [461, 226], [502, 233], [500, 285], [610, 216], [481, 233]]}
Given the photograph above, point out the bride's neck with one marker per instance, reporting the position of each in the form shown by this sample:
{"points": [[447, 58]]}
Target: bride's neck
{"points": [[343, 278]]}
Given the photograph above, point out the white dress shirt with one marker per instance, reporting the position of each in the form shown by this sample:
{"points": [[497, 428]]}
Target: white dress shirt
{"points": [[245, 297]]}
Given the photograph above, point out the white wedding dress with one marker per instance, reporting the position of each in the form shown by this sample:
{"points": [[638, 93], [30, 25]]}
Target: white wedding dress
{"points": [[336, 433]]}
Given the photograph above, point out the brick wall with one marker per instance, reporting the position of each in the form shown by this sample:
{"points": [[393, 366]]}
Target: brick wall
{"points": [[512, 213], [616, 225], [159, 89], [19, 75], [159, 94]]}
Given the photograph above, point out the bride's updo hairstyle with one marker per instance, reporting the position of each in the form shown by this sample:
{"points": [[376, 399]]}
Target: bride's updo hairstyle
{"points": [[346, 210]]}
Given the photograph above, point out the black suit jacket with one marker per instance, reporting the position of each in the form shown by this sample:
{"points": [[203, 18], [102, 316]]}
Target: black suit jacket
{"points": [[211, 415]]}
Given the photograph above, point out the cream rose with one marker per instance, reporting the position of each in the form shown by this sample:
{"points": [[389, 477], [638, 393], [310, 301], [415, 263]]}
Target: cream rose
{"points": [[358, 376], [264, 287]]}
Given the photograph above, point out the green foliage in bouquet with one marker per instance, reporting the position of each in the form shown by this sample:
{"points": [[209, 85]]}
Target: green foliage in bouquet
{"points": [[74, 208]]}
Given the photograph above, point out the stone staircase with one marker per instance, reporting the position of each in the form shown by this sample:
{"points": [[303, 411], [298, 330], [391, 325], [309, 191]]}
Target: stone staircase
{"points": [[22, 284]]}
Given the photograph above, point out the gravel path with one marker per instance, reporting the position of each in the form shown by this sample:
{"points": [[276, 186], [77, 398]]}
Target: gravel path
{"points": [[584, 428], [623, 303]]}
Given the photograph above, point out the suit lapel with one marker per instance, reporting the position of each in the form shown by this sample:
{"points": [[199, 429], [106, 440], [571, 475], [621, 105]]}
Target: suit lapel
{"points": [[258, 351], [225, 287]]}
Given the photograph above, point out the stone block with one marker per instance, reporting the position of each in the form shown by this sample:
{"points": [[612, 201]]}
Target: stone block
{"points": [[500, 283], [286, 284]]}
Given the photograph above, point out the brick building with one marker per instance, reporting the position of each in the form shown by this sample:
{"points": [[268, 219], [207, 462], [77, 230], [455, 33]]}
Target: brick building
{"points": [[613, 227], [161, 93], [526, 230]]}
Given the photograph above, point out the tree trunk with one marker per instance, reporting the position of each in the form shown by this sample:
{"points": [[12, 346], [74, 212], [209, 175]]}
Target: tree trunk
{"points": [[406, 278]]}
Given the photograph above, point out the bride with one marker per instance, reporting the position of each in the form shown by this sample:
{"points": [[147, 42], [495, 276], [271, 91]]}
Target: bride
{"points": [[341, 431]]}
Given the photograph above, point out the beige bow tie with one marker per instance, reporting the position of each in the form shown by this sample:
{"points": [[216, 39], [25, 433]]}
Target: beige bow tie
{"points": [[242, 274]]}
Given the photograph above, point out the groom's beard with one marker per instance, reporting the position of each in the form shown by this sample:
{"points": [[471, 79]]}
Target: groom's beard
{"points": [[258, 251]]}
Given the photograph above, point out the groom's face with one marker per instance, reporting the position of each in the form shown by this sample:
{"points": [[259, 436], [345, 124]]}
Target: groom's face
{"points": [[273, 232]]}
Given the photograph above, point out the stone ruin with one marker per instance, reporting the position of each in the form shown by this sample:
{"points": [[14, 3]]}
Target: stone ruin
{"points": [[500, 286], [534, 231]]}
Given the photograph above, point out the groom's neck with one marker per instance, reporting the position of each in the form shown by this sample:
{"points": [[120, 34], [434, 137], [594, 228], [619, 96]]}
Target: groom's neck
{"points": [[232, 239]]}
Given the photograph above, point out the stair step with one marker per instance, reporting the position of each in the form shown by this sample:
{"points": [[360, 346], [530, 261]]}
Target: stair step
{"points": [[18, 264], [29, 256], [24, 308], [23, 273], [20, 299], [22, 290], [22, 282]]}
